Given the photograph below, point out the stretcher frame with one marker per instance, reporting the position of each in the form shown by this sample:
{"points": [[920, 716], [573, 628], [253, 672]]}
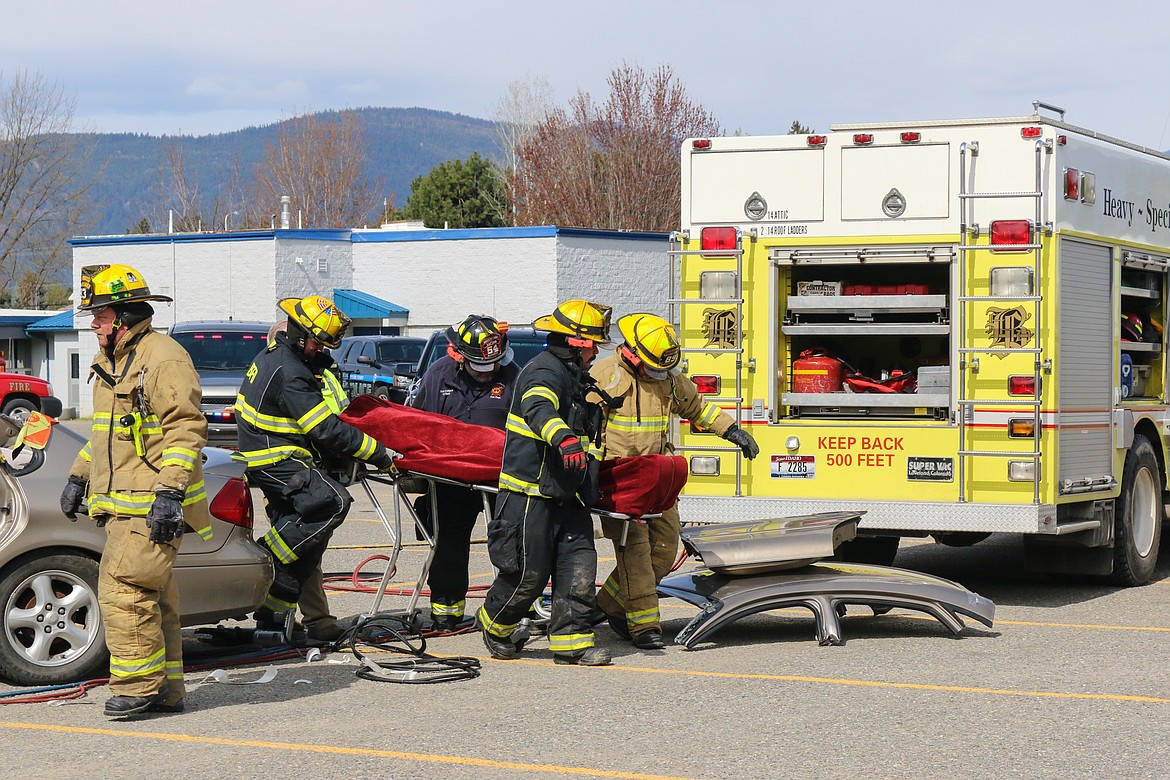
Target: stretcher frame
{"points": [[394, 480]]}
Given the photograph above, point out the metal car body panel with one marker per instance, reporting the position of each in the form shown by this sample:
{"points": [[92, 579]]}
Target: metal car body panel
{"points": [[750, 571], [225, 576]]}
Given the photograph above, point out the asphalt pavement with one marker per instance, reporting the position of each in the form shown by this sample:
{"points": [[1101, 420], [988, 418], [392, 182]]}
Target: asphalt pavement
{"points": [[1072, 681]]}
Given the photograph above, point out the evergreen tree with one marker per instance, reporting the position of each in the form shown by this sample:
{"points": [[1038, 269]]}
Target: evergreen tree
{"points": [[457, 194]]}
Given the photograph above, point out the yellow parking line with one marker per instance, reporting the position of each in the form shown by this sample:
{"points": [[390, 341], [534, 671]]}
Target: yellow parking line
{"points": [[854, 683], [345, 751]]}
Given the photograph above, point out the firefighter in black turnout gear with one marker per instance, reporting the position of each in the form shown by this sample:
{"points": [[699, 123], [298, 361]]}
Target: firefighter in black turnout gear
{"points": [[286, 429], [548, 481], [472, 383]]}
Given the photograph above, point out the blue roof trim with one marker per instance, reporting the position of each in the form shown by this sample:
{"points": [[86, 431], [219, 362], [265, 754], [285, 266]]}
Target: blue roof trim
{"points": [[359, 305], [541, 231], [60, 321], [190, 238]]}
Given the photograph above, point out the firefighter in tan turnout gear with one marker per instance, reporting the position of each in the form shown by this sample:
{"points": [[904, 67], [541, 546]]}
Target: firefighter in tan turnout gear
{"points": [[288, 431], [140, 473], [640, 374]]}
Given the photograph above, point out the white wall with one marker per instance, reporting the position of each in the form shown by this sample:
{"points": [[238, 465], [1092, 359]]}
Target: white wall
{"points": [[297, 270], [628, 274], [442, 281]]}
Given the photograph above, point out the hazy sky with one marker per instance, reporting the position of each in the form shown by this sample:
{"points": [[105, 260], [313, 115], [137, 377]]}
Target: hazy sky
{"points": [[212, 66]]}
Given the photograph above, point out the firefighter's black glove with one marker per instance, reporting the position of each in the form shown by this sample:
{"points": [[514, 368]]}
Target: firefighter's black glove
{"points": [[166, 516], [742, 439], [573, 454], [73, 496], [384, 460]]}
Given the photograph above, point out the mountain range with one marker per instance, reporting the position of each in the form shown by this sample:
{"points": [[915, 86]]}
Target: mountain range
{"points": [[401, 144]]}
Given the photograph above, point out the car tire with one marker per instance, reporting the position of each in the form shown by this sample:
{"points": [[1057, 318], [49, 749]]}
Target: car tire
{"points": [[381, 391], [1138, 516], [18, 409], [70, 645]]}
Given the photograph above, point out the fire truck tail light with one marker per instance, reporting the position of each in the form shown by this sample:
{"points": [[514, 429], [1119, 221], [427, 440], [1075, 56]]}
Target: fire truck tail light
{"points": [[717, 284], [717, 239], [1072, 184], [707, 384], [1011, 281], [863, 139], [1021, 385], [1089, 188], [818, 140], [1021, 429], [1062, 140], [705, 465], [701, 143], [911, 138], [1021, 471], [1030, 132], [1011, 233]]}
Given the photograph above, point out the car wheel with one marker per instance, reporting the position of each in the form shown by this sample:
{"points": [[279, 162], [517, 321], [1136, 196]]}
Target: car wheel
{"points": [[18, 409], [1137, 519], [381, 391], [51, 621]]}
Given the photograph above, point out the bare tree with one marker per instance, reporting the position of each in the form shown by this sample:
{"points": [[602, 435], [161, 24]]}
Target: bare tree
{"points": [[517, 114], [181, 193], [42, 188], [319, 161], [615, 165]]}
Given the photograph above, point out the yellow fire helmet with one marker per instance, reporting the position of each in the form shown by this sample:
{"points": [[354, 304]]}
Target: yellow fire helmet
{"points": [[319, 317], [581, 320], [107, 285], [652, 339]]}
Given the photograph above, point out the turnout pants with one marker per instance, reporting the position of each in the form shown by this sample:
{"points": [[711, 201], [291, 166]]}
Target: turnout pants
{"points": [[631, 589], [530, 539], [304, 506], [140, 608], [459, 508]]}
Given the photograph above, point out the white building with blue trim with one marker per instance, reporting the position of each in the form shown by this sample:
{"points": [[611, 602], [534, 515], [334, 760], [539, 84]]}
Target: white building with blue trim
{"points": [[409, 282]]}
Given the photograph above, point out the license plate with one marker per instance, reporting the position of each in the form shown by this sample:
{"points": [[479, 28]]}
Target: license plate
{"points": [[794, 466]]}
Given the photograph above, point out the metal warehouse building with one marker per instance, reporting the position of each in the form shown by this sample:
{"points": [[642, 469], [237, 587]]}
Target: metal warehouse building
{"points": [[389, 280]]}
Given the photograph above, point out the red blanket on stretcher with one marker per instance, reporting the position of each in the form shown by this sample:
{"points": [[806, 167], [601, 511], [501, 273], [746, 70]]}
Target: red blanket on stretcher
{"points": [[437, 445]]}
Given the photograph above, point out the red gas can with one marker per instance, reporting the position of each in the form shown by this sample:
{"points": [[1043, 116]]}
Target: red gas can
{"points": [[816, 371]]}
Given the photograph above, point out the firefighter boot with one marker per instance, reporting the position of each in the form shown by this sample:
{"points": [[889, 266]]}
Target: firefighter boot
{"points": [[500, 649], [122, 706], [619, 626], [650, 639], [594, 656]]}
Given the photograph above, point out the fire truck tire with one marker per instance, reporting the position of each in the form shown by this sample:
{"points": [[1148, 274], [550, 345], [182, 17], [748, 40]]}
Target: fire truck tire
{"points": [[961, 538], [878, 550], [1138, 516]]}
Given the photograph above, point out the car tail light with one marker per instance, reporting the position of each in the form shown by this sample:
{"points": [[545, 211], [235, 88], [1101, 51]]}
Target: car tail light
{"points": [[706, 384], [1030, 132], [1072, 184], [233, 503]]}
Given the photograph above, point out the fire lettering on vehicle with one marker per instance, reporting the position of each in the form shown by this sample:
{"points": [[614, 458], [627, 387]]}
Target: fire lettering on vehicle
{"points": [[19, 387], [864, 451]]}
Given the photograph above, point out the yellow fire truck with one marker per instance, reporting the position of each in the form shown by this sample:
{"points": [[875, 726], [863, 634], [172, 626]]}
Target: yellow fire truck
{"points": [[956, 326]]}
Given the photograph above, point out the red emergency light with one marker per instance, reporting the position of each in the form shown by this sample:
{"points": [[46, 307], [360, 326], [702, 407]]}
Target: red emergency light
{"points": [[716, 239], [1072, 184], [818, 140], [1030, 132], [1021, 385], [1010, 233], [863, 139], [910, 137], [701, 143], [706, 384]]}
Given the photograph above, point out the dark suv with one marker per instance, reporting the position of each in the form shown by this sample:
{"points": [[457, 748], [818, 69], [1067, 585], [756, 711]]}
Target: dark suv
{"points": [[222, 351], [525, 342], [378, 365]]}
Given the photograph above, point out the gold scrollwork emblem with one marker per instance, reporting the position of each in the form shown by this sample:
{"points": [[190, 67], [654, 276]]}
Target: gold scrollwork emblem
{"points": [[1006, 328], [721, 328]]}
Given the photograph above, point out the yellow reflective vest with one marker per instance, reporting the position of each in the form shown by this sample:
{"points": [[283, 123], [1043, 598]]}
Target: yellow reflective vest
{"points": [[148, 432], [639, 426]]}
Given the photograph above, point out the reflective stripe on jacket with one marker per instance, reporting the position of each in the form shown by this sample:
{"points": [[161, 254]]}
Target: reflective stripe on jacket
{"points": [[639, 426], [548, 405], [148, 432], [282, 412]]}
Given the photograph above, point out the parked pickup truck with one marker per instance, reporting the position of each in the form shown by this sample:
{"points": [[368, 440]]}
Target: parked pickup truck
{"points": [[378, 365], [22, 394]]}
